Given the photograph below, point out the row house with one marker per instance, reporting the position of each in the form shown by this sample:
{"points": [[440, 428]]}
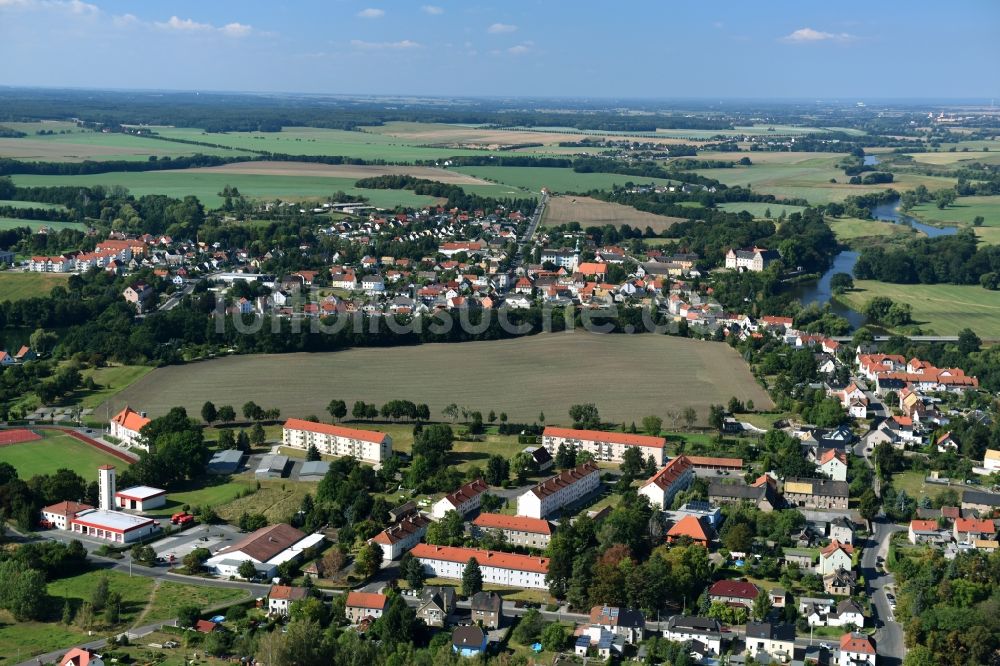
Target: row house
{"points": [[816, 493]]}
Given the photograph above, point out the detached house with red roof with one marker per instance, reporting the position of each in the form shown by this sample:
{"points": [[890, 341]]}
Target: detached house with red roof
{"points": [[689, 527], [856, 650], [835, 556], [733, 593], [970, 530], [81, 657], [604, 446], [125, 427], [833, 464], [361, 605], [369, 446]]}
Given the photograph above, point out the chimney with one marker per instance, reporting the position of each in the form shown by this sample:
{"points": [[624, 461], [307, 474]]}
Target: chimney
{"points": [[106, 487]]}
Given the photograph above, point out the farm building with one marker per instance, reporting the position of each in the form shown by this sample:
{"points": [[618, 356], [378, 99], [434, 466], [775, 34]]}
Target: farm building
{"points": [[140, 498], [271, 466], [367, 445], [125, 426], [314, 470], [227, 461]]}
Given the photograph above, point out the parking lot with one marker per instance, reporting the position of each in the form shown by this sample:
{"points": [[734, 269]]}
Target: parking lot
{"points": [[212, 537]]}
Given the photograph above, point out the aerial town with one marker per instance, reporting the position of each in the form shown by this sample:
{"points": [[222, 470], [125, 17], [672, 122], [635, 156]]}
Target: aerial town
{"points": [[444, 334]]}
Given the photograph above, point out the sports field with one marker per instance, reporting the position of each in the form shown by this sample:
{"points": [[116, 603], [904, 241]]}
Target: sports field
{"points": [[594, 212], [55, 451], [533, 179], [627, 376], [942, 309], [17, 285]]}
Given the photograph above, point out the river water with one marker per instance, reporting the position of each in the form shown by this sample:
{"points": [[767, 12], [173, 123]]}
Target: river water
{"points": [[820, 292]]}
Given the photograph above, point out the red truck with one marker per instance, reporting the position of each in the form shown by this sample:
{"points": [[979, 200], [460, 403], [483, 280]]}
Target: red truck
{"points": [[182, 518]]}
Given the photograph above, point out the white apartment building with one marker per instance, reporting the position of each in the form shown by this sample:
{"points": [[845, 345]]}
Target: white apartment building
{"points": [[401, 537], [497, 568], [604, 446], [367, 445], [518, 530], [465, 499], [556, 492], [662, 487]]}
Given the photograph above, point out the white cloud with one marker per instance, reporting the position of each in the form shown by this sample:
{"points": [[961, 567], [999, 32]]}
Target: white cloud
{"points": [[402, 44], [371, 13], [432, 9], [236, 29], [500, 28], [810, 36], [182, 25], [521, 49]]}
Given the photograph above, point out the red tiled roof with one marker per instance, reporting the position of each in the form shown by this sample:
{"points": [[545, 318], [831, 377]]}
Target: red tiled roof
{"points": [[688, 526], [835, 546], [67, 508], [601, 436], [337, 431], [975, 525], [856, 643], [737, 589], [205, 626], [130, 419], [674, 470], [287, 592], [404, 528], [366, 600], [708, 461], [564, 479], [467, 492], [830, 454], [499, 521], [77, 657], [923, 525], [487, 558]]}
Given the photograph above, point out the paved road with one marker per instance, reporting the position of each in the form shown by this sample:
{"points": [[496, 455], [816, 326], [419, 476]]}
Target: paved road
{"points": [[889, 638], [525, 242], [176, 297]]}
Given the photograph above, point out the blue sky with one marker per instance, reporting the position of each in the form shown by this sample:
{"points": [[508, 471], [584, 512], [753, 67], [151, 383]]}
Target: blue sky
{"points": [[562, 48]]}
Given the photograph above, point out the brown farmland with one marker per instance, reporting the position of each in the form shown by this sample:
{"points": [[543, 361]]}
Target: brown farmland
{"points": [[627, 376], [594, 212], [343, 171]]}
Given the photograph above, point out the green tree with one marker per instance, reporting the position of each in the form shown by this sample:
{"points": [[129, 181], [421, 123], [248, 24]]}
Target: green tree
{"points": [[208, 412], [841, 282], [472, 578], [99, 596], [22, 590], [252, 411], [529, 628], [337, 409], [446, 532], [632, 462], [689, 416], [652, 425], [195, 560], [312, 453], [113, 610], [369, 560], [738, 538], [762, 605], [869, 506], [497, 470], [247, 570], [257, 434], [585, 415], [565, 457], [187, 615], [554, 637], [226, 414]]}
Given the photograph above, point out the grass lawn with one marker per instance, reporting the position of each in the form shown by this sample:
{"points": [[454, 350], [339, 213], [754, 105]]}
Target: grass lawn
{"points": [[915, 486], [942, 309], [169, 597], [12, 203], [135, 591], [213, 495], [16, 286], [111, 379], [277, 499], [55, 451], [35, 225], [21, 640], [532, 179]]}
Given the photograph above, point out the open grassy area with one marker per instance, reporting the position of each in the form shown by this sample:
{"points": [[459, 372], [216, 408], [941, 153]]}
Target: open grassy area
{"points": [[532, 179], [206, 185], [915, 486], [942, 309], [110, 380], [810, 179], [135, 590], [963, 211], [56, 451], [277, 499], [13, 203], [519, 376], [16, 286], [858, 232], [35, 225], [760, 209], [20, 641], [222, 492], [168, 597]]}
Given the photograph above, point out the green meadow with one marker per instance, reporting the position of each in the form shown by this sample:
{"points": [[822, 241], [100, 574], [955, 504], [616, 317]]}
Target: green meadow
{"points": [[532, 179]]}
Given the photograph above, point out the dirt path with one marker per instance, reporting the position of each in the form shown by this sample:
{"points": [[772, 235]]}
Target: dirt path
{"points": [[149, 604]]}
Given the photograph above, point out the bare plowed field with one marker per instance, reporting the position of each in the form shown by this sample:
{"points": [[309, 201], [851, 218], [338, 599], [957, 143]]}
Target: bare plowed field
{"points": [[594, 212], [628, 377]]}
